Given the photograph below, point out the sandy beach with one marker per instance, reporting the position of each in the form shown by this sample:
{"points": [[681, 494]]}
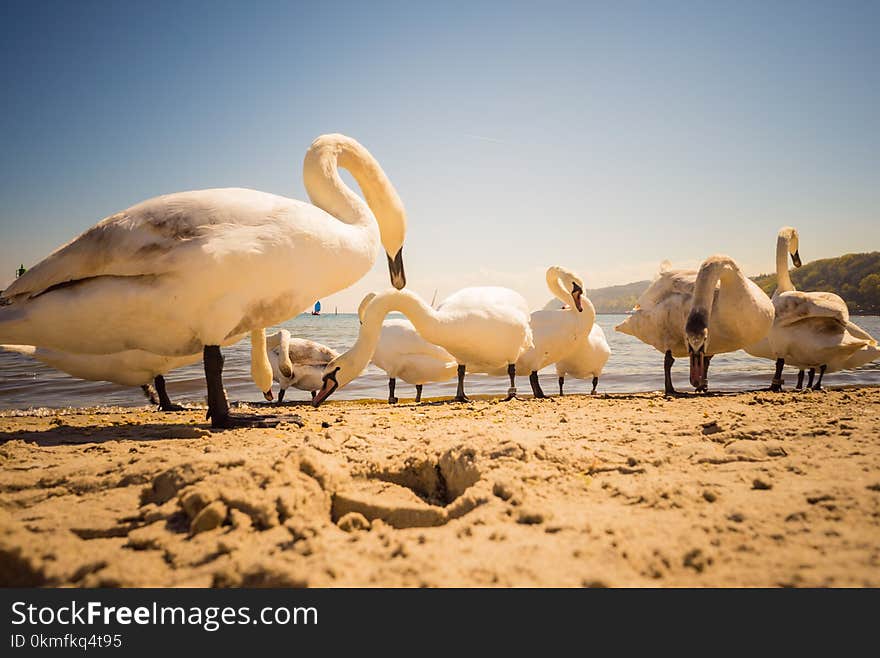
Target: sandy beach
{"points": [[749, 489]]}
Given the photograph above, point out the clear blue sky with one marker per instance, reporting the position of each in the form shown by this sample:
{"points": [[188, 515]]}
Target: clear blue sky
{"points": [[605, 137]]}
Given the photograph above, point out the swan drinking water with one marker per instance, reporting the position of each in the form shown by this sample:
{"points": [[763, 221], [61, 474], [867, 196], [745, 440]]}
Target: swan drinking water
{"points": [[403, 354], [811, 329], [699, 314], [306, 358], [483, 328], [194, 271]]}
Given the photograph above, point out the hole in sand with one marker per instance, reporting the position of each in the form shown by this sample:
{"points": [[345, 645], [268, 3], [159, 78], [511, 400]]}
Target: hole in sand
{"points": [[438, 482]]}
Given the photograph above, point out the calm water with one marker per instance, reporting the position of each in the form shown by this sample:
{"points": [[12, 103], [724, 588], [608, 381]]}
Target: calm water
{"points": [[633, 367]]}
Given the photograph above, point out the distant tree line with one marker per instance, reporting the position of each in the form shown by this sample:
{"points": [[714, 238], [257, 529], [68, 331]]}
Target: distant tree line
{"points": [[855, 277]]}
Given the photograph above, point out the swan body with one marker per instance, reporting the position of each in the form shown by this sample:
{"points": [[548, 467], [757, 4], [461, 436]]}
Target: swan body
{"points": [[811, 329], [483, 328], [194, 271], [306, 359], [714, 310], [556, 330], [588, 359]]}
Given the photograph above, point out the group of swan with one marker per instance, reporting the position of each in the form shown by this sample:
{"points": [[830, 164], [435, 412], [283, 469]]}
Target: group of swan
{"points": [[191, 272], [723, 311], [174, 279]]}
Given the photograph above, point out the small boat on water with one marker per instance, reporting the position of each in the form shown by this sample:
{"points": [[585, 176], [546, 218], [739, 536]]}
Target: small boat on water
{"points": [[317, 309]]}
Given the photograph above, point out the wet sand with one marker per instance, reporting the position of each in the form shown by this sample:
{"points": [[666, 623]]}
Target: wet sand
{"points": [[751, 489]]}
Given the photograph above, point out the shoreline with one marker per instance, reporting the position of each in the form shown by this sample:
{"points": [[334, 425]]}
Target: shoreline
{"points": [[739, 489]]}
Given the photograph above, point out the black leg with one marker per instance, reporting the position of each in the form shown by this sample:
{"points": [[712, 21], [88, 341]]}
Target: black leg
{"points": [[165, 403], [812, 374], [667, 372], [282, 391], [218, 406], [392, 383], [800, 381], [595, 384], [561, 383], [150, 393], [704, 383], [818, 386], [314, 394], [511, 372], [459, 394], [776, 384], [536, 385], [418, 393]]}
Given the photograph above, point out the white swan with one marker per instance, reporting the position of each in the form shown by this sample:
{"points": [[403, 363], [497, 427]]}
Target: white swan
{"points": [[811, 329], [557, 331], [195, 271], [403, 354], [588, 359], [128, 368], [699, 314], [483, 328], [306, 360]]}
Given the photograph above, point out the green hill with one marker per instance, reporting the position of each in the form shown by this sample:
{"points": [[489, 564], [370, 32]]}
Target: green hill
{"points": [[855, 277]]}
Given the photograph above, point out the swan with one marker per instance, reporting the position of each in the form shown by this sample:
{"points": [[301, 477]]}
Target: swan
{"points": [[402, 353], [483, 328], [195, 271], [557, 331], [587, 360], [699, 314], [127, 368], [811, 330], [306, 361]]}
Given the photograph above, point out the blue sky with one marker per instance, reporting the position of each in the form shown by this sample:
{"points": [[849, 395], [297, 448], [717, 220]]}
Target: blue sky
{"points": [[604, 137]]}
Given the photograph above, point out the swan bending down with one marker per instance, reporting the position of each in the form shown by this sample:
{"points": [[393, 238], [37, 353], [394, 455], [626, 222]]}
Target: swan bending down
{"points": [[483, 328], [557, 331], [811, 329], [403, 354], [699, 314], [306, 359], [128, 368], [195, 271]]}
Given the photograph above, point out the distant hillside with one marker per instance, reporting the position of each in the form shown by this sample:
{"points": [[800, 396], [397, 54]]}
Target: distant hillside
{"points": [[616, 299], [855, 277]]}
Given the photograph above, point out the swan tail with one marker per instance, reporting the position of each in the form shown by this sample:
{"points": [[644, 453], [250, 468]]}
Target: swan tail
{"points": [[858, 332], [626, 327], [26, 350]]}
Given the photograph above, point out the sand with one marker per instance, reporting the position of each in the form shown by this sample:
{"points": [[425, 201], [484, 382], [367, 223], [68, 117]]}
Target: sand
{"points": [[752, 489]]}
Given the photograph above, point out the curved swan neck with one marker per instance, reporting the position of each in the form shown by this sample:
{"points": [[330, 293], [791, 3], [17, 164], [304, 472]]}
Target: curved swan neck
{"points": [[783, 277], [261, 368], [423, 317], [556, 288], [713, 270], [328, 191]]}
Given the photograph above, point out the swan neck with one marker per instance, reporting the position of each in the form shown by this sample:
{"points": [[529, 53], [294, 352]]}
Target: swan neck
{"points": [[711, 272], [261, 368], [783, 277], [556, 288]]}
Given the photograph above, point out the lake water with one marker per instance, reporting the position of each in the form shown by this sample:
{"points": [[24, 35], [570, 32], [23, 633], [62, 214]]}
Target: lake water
{"points": [[633, 367]]}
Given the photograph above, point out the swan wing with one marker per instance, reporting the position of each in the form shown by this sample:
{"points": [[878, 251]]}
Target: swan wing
{"points": [[666, 284], [794, 306], [155, 237], [306, 352]]}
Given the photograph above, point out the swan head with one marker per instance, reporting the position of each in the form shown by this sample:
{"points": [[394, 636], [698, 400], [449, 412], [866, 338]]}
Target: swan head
{"points": [[362, 307], [697, 337], [790, 235], [339, 372], [571, 283]]}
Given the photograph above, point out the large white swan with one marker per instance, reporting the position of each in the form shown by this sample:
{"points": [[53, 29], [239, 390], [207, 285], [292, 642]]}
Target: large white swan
{"points": [[557, 331], [587, 361], [403, 354], [306, 361], [128, 368], [195, 271], [699, 314], [483, 328], [811, 329]]}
